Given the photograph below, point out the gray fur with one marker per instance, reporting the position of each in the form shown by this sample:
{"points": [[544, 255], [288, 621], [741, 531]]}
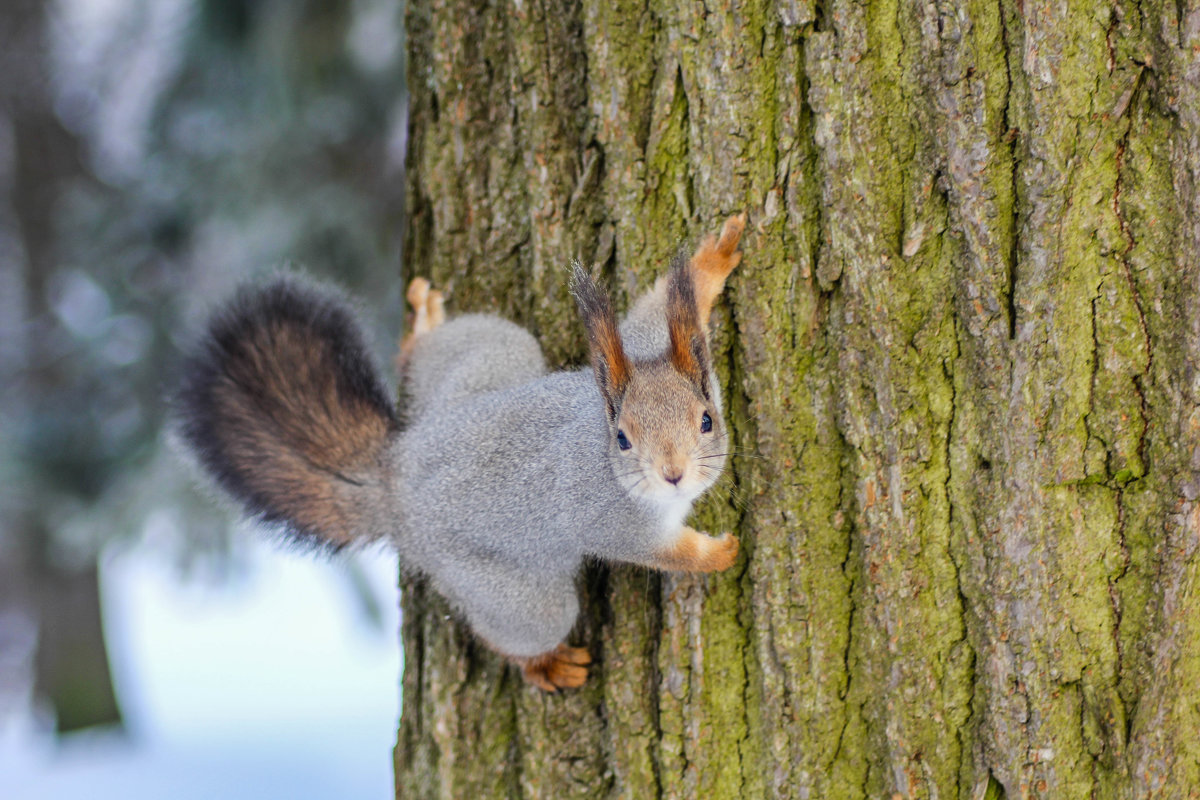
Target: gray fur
{"points": [[506, 477]]}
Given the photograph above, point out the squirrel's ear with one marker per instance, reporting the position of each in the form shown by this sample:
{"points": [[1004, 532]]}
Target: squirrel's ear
{"points": [[604, 341], [688, 352]]}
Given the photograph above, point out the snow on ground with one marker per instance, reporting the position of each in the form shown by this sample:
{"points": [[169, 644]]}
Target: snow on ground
{"points": [[272, 687]]}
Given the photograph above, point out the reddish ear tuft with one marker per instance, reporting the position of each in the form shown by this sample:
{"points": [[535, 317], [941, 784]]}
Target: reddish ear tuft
{"points": [[688, 351], [609, 362]]}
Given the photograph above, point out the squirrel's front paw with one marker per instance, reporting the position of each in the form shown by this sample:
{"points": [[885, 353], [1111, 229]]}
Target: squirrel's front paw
{"points": [[564, 667], [724, 552], [695, 551]]}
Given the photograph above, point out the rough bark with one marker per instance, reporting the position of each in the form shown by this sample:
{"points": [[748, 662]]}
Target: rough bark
{"points": [[960, 359]]}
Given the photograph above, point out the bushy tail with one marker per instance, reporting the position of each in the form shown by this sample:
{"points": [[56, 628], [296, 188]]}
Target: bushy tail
{"points": [[284, 407]]}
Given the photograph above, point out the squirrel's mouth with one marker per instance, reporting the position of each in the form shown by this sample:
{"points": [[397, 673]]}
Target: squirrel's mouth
{"points": [[687, 489], [651, 485]]}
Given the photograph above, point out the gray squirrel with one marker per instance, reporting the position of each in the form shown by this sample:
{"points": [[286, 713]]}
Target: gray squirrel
{"points": [[500, 478]]}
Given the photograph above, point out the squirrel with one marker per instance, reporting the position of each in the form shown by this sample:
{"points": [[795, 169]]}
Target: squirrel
{"points": [[499, 478]]}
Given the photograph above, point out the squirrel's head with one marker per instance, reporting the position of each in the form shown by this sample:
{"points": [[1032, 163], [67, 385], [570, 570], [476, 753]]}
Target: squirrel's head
{"points": [[667, 439]]}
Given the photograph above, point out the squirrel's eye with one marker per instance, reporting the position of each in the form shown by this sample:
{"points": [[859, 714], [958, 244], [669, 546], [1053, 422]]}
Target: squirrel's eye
{"points": [[623, 441], [706, 423]]}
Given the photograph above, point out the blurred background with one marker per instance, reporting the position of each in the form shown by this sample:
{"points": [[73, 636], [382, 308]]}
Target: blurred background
{"points": [[154, 154]]}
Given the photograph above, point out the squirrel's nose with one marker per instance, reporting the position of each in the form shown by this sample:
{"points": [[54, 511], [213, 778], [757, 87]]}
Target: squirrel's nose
{"points": [[672, 474]]}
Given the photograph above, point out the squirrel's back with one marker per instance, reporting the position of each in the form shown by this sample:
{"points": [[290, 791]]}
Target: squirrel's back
{"points": [[284, 407]]}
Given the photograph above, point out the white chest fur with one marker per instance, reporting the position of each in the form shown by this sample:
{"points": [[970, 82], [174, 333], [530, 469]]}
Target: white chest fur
{"points": [[674, 512]]}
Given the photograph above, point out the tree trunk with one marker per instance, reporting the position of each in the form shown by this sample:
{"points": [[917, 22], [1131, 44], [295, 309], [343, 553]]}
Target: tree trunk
{"points": [[960, 359]]}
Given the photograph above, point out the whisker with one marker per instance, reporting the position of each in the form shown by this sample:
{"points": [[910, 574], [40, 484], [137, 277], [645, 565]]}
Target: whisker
{"points": [[735, 492]]}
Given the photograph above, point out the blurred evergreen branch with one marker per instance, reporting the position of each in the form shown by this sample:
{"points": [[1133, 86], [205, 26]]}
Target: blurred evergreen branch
{"points": [[152, 156]]}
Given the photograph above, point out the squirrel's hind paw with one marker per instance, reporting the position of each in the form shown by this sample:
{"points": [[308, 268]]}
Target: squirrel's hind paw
{"points": [[562, 668], [713, 261], [716, 257], [731, 234], [418, 291], [427, 305], [428, 313]]}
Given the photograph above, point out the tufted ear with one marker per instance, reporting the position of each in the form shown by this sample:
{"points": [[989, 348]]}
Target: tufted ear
{"points": [[604, 341], [688, 351]]}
